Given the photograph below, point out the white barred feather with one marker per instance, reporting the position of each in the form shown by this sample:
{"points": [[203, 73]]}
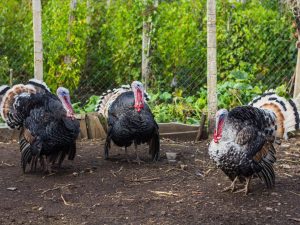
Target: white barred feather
{"points": [[38, 83], [288, 108], [108, 97]]}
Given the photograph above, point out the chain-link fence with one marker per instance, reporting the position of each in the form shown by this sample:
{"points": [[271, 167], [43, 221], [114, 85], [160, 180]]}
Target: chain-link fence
{"points": [[256, 50]]}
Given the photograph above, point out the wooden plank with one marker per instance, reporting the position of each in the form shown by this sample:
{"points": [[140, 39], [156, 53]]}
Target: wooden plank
{"points": [[94, 127], [83, 128], [176, 127], [180, 136], [201, 128]]}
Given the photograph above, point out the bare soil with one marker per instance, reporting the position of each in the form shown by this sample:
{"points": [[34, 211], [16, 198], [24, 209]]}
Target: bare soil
{"points": [[92, 190]]}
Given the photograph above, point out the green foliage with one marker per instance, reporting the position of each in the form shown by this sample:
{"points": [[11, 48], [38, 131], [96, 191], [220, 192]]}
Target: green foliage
{"points": [[255, 39], [4, 68], [16, 42], [88, 107], [256, 50], [65, 33]]}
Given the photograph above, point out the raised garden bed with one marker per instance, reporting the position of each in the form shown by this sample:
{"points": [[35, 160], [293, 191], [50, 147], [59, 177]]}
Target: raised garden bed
{"points": [[94, 127]]}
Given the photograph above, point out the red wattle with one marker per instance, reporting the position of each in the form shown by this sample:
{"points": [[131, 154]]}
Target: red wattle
{"points": [[138, 103]]}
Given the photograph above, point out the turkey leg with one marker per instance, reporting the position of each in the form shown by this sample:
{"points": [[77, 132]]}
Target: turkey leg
{"points": [[138, 160], [232, 187], [246, 188]]}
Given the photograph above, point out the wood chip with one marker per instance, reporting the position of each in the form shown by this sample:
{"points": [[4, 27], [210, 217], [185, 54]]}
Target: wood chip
{"points": [[165, 193]]}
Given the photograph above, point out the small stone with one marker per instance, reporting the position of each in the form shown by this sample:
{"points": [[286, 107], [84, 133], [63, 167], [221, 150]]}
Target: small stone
{"points": [[75, 174], [163, 212], [285, 145], [40, 208], [269, 209], [183, 166], [286, 166], [12, 188]]}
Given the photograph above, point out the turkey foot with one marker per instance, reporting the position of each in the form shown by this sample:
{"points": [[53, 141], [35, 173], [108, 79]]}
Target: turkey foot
{"points": [[246, 188], [232, 187], [127, 157], [137, 160]]}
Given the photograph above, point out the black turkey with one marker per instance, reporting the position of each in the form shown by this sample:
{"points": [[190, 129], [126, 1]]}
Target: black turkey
{"points": [[48, 129], [243, 140], [129, 119]]}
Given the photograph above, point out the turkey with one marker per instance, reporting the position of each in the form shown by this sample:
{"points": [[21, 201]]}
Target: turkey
{"points": [[129, 119], [243, 141], [48, 130]]}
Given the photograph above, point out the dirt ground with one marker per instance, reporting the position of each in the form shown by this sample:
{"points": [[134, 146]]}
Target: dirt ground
{"points": [[91, 190]]}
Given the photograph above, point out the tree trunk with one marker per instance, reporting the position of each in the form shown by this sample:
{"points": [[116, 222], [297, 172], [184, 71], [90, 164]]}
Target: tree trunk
{"points": [[37, 39], [211, 63]]}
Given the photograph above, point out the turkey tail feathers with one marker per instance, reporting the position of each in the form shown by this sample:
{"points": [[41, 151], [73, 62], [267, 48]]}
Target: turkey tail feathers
{"points": [[267, 173], [10, 97], [154, 146], [108, 97], [39, 86], [26, 154], [286, 111], [3, 90]]}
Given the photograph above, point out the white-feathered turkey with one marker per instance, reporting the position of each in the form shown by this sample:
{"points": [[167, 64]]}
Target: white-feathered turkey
{"points": [[129, 119], [48, 127], [243, 140]]}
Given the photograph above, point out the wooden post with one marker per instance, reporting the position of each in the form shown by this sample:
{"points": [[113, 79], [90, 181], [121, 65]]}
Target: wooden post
{"points": [[145, 47], [201, 127], [73, 4], [297, 75], [146, 44], [37, 38], [10, 77], [108, 3], [211, 64]]}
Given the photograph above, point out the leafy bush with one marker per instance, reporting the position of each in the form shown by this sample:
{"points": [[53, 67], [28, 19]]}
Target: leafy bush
{"points": [[256, 50], [88, 107]]}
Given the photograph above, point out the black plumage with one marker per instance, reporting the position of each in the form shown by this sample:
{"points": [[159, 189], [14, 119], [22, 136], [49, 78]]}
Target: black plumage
{"points": [[244, 138], [246, 145], [47, 133], [127, 125]]}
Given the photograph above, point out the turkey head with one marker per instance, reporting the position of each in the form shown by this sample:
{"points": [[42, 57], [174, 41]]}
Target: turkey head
{"points": [[138, 91], [220, 118], [64, 96]]}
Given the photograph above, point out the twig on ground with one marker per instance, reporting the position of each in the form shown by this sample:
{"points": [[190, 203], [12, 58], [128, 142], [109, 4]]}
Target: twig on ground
{"points": [[295, 193], [115, 172], [65, 202], [143, 179], [179, 181], [56, 188], [165, 193], [295, 219]]}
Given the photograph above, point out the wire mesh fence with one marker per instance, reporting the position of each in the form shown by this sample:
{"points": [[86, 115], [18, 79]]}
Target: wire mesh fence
{"points": [[256, 50]]}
